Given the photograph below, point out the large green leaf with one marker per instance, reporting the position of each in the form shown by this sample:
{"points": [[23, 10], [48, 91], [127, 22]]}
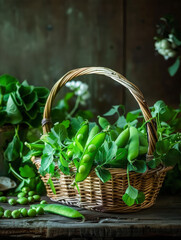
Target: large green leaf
{"points": [[132, 192], [30, 100], [47, 157], [128, 200], [42, 94], [59, 131], [103, 174], [8, 82], [14, 150], [121, 122], [13, 114], [162, 146], [27, 171]]}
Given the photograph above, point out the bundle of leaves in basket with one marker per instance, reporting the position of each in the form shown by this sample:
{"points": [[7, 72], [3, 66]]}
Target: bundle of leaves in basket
{"points": [[113, 167], [21, 109]]}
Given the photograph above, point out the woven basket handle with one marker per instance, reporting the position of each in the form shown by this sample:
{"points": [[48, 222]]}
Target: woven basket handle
{"points": [[137, 94]]}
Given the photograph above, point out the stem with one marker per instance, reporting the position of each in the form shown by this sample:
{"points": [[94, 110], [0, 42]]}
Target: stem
{"points": [[75, 107], [146, 123], [15, 173], [128, 176], [16, 131]]}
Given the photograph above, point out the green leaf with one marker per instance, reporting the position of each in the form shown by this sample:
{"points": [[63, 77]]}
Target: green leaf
{"points": [[131, 117], [23, 91], [121, 122], [114, 110], [120, 161], [59, 131], [154, 162], [30, 154], [172, 157], [63, 161], [103, 122], [50, 182], [47, 157], [42, 94], [141, 198], [132, 192], [176, 40], [8, 82], [138, 166], [128, 200], [13, 113], [29, 100], [75, 124], [111, 151], [66, 123], [103, 174], [174, 68], [27, 171], [162, 146], [14, 150], [159, 107]]}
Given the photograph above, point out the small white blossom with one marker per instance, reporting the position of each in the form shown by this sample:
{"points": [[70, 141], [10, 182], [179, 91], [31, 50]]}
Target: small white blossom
{"points": [[80, 89]]}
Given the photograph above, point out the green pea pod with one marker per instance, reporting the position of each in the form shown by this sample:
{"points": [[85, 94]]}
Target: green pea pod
{"points": [[143, 139], [88, 156], [103, 122], [123, 138], [81, 136], [143, 150], [92, 133], [60, 210], [133, 147]]}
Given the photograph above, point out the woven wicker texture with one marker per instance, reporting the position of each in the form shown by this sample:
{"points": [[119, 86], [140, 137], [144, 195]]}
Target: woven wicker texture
{"points": [[94, 194]]}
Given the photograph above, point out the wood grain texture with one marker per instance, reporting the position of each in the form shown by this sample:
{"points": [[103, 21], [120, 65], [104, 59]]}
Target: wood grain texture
{"points": [[144, 67], [162, 220], [42, 40]]}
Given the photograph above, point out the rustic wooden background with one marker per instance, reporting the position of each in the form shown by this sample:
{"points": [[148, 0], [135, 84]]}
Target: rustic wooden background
{"points": [[43, 39]]}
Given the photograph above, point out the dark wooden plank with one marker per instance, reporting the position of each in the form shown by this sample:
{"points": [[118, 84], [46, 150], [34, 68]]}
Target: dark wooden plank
{"points": [[164, 219], [42, 40], [143, 67]]}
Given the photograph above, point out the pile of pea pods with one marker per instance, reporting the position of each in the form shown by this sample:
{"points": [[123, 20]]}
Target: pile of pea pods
{"points": [[131, 144]]}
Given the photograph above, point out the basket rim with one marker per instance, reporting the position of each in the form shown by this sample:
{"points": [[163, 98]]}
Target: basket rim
{"points": [[121, 171]]}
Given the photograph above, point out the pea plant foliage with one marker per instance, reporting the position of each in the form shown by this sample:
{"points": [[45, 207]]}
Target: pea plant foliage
{"points": [[77, 146]]}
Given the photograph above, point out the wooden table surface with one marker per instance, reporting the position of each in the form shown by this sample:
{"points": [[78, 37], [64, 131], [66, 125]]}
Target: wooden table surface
{"points": [[163, 220]]}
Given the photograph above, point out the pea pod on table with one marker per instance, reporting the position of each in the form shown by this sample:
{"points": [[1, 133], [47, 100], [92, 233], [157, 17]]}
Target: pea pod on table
{"points": [[88, 156], [59, 209], [133, 147]]}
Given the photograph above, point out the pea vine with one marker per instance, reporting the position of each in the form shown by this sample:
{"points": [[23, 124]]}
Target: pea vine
{"points": [[76, 146]]}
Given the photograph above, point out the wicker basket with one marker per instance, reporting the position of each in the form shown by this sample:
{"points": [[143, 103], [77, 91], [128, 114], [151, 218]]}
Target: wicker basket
{"points": [[94, 194]]}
